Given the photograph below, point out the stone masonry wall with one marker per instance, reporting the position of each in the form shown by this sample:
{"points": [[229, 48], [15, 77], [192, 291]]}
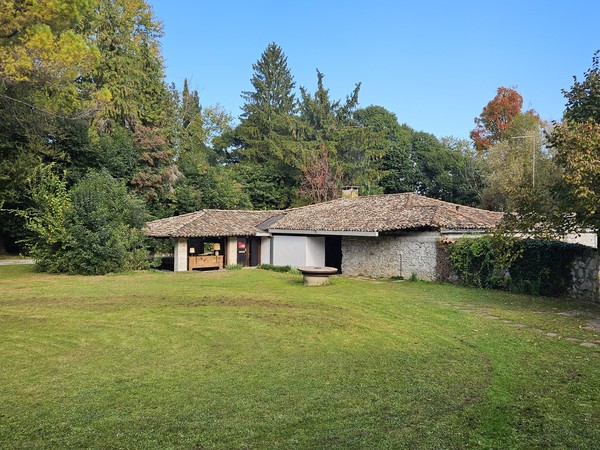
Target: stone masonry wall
{"points": [[391, 256], [584, 275], [585, 283]]}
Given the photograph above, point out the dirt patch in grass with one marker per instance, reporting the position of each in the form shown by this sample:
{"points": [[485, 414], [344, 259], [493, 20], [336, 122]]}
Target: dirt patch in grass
{"points": [[224, 301], [575, 313]]}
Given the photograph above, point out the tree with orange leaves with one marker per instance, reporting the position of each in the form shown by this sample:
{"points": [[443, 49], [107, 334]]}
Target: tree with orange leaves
{"points": [[496, 118]]}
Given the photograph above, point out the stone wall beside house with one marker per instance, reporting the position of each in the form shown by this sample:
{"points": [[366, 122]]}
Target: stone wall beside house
{"points": [[584, 275], [585, 272], [391, 256], [587, 238]]}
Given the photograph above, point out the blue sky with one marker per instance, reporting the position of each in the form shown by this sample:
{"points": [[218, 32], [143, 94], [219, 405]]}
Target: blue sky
{"points": [[435, 64]]}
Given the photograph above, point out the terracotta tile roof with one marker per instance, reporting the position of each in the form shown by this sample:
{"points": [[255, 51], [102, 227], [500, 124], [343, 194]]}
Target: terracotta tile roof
{"points": [[377, 213], [391, 212], [210, 222]]}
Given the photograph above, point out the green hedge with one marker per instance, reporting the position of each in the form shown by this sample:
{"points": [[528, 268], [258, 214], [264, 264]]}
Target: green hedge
{"points": [[541, 267], [475, 261], [283, 269], [544, 267]]}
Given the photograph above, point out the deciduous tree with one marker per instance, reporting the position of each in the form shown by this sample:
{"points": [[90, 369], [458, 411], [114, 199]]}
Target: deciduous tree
{"points": [[332, 127], [519, 167], [577, 144], [574, 203], [496, 117], [95, 228], [39, 41]]}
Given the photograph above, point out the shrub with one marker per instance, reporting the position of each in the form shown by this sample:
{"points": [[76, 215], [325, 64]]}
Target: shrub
{"points": [[539, 267], [233, 267], [544, 267], [46, 221], [282, 269], [475, 261], [91, 230]]}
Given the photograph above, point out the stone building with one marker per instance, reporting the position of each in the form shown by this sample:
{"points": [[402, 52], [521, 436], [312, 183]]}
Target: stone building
{"points": [[374, 236]]}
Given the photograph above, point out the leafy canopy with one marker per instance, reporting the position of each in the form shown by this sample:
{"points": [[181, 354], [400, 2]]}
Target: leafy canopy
{"points": [[93, 229], [496, 117], [577, 144]]}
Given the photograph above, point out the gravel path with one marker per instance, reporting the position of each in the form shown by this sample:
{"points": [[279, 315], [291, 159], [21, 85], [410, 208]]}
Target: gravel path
{"points": [[10, 262]]}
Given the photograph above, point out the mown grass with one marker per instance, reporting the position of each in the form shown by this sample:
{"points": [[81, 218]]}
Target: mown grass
{"points": [[253, 359]]}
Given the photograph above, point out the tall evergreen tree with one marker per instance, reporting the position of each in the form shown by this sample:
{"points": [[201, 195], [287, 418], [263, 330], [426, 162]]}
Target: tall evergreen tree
{"points": [[273, 94], [266, 128], [265, 139], [132, 69], [190, 105], [204, 182], [131, 65]]}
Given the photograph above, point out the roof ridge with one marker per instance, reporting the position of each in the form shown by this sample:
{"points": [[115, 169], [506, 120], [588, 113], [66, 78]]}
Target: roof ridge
{"points": [[193, 216], [361, 197], [447, 204], [240, 210]]}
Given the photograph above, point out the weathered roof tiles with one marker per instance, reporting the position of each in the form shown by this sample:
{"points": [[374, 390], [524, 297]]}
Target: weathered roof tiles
{"points": [[210, 222], [377, 213], [390, 212]]}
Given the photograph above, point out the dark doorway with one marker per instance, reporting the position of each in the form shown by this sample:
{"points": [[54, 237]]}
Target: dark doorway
{"points": [[242, 251], [333, 252], [248, 251], [254, 251]]}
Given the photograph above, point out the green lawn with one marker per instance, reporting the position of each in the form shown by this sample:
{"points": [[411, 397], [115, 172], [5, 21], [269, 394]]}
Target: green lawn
{"points": [[253, 359]]}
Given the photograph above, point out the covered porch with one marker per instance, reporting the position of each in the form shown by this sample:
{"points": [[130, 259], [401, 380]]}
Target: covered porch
{"points": [[213, 239], [216, 253]]}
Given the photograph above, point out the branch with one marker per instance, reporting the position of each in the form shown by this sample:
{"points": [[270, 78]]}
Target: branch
{"points": [[44, 111], [11, 35]]}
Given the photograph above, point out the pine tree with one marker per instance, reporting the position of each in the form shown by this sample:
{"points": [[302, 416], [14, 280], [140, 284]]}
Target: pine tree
{"points": [[265, 141], [190, 105], [331, 126], [273, 90], [267, 122]]}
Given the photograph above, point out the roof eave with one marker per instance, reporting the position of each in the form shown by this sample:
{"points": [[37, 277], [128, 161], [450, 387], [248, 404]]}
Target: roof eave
{"points": [[464, 230], [325, 232]]}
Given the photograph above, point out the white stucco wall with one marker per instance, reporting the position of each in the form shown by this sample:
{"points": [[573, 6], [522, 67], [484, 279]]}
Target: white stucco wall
{"points": [[389, 256], [298, 251], [315, 251], [265, 250], [180, 255], [289, 250], [587, 238]]}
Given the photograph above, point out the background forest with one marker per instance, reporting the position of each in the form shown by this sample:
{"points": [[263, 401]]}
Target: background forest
{"points": [[93, 142]]}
